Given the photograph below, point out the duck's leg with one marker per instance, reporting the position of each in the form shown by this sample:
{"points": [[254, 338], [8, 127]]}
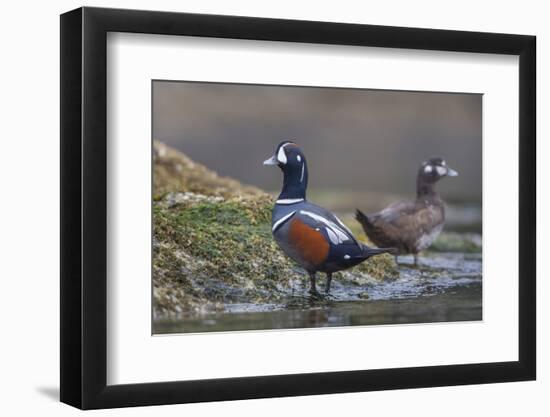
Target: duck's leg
{"points": [[329, 279], [313, 286], [415, 259], [396, 257]]}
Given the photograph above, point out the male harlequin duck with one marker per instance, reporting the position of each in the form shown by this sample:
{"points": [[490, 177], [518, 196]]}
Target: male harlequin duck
{"points": [[311, 235], [411, 226]]}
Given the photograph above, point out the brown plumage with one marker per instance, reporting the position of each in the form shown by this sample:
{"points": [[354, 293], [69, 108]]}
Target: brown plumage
{"points": [[411, 226], [310, 244]]}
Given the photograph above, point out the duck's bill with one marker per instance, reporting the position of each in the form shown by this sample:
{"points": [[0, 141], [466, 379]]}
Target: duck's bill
{"points": [[451, 172], [271, 161]]}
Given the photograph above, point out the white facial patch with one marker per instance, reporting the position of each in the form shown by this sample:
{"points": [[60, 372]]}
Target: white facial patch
{"points": [[299, 158], [428, 169], [441, 171], [281, 155], [443, 163], [347, 256]]}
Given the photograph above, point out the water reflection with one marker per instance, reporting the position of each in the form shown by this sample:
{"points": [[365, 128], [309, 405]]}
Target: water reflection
{"points": [[460, 304], [444, 288]]}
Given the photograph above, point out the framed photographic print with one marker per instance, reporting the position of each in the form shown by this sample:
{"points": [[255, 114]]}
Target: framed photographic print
{"points": [[257, 208]]}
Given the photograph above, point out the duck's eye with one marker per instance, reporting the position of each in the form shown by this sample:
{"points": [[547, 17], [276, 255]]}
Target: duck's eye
{"points": [[428, 169], [299, 158]]}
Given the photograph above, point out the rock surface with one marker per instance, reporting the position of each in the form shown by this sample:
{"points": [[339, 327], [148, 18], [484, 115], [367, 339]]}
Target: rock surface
{"points": [[212, 244], [175, 172], [457, 242]]}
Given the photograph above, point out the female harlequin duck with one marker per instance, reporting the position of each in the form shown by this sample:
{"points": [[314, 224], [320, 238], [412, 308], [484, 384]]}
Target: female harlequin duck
{"points": [[411, 226], [311, 235]]}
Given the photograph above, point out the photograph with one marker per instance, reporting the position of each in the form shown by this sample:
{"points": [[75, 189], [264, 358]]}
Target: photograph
{"points": [[284, 207], [259, 206]]}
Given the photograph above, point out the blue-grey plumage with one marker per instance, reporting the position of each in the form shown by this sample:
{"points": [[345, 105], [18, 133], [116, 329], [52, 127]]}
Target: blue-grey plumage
{"points": [[311, 235]]}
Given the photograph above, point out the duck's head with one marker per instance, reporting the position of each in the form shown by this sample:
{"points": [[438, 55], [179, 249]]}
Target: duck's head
{"points": [[289, 157], [430, 172], [434, 169]]}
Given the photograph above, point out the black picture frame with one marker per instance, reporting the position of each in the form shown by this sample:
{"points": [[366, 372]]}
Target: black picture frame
{"points": [[84, 207]]}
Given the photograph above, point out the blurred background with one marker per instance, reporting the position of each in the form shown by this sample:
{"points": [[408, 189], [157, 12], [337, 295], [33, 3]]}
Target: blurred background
{"points": [[363, 147]]}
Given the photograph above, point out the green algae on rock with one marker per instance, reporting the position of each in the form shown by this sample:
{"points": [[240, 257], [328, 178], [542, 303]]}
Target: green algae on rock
{"points": [[457, 242], [210, 251], [212, 244]]}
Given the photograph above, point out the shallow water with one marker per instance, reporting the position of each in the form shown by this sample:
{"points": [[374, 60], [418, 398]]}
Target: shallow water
{"points": [[443, 287]]}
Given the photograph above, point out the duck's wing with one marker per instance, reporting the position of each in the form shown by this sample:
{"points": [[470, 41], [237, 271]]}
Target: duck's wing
{"points": [[331, 226], [408, 219], [319, 242], [394, 212]]}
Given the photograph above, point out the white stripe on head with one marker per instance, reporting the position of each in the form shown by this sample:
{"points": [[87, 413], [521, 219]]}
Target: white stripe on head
{"points": [[302, 176]]}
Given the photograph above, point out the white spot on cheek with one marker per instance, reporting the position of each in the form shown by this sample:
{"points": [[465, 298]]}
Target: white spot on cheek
{"points": [[428, 169], [347, 256], [299, 158], [441, 170]]}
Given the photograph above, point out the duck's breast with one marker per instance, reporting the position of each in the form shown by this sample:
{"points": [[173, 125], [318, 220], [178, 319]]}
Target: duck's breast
{"points": [[426, 239], [306, 245], [430, 219]]}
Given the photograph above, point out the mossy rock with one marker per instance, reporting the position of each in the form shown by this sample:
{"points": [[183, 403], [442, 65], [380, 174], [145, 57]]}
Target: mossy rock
{"points": [[457, 242], [175, 172], [208, 251]]}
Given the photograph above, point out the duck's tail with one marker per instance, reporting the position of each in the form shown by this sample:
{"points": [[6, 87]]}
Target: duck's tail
{"points": [[363, 219], [367, 227]]}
